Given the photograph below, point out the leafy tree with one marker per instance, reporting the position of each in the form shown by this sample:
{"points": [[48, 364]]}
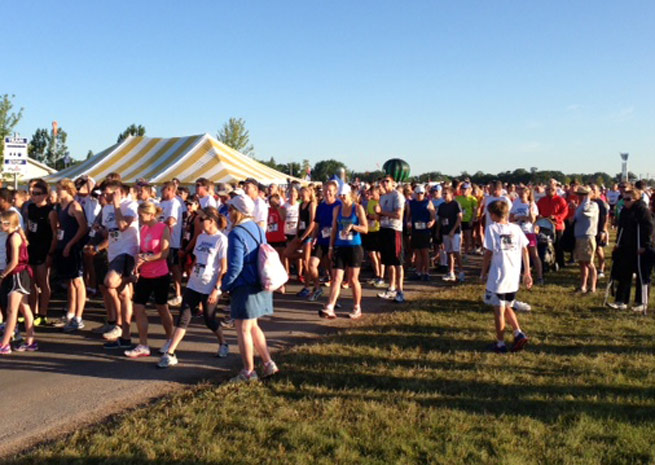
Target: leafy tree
{"points": [[325, 169], [234, 134], [131, 130], [8, 120], [44, 148]]}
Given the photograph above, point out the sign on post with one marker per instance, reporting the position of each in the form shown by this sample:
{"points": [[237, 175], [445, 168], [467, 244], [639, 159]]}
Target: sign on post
{"points": [[15, 155]]}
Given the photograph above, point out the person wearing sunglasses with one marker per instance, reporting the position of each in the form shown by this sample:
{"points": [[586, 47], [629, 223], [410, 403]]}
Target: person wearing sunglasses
{"points": [[633, 252], [40, 231]]}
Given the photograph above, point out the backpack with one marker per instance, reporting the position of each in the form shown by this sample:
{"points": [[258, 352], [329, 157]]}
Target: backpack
{"points": [[272, 274]]}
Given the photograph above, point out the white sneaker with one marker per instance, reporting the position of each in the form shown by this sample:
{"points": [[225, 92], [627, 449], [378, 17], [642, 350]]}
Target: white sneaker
{"points": [[643, 308], [388, 294], [138, 351], [166, 346], [244, 377], [167, 360], [175, 301], [355, 314], [617, 305], [521, 306], [114, 333], [223, 351], [102, 329], [450, 277], [270, 369]]}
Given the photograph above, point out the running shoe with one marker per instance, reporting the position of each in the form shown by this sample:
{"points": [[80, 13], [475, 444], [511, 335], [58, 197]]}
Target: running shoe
{"points": [[617, 305], [327, 313], [400, 297], [21, 319], [601, 275], [61, 322], [114, 333], [355, 314], [223, 351], [317, 294], [119, 343], [461, 277], [389, 294], [5, 350], [304, 292], [521, 306], [167, 360], [138, 351], [643, 308], [379, 283], [244, 377], [270, 369], [520, 340], [498, 349], [40, 321], [166, 346], [425, 278], [175, 301], [449, 277], [103, 329], [33, 347], [73, 325]]}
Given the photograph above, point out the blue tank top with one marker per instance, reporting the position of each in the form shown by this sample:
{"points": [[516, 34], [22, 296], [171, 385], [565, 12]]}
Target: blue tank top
{"points": [[353, 238], [420, 213], [68, 226], [324, 219]]}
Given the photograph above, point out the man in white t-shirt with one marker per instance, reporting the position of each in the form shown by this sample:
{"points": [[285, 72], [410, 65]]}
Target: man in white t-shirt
{"points": [[506, 248], [172, 210], [496, 193], [260, 215], [204, 189], [120, 219]]}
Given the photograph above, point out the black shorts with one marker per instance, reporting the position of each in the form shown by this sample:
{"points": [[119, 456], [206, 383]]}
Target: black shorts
{"points": [[350, 257], [145, 287], [192, 300], [70, 267], [173, 258], [320, 251], [391, 247], [100, 266], [38, 253], [421, 239], [371, 241], [466, 226], [18, 282], [123, 265]]}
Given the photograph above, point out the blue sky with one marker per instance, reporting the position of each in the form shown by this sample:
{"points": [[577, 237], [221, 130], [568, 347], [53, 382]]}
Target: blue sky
{"points": [[448, 86]]}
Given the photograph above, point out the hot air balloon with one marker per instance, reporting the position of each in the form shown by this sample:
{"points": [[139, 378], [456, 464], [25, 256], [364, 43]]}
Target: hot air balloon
{"points": [[396, 168]]}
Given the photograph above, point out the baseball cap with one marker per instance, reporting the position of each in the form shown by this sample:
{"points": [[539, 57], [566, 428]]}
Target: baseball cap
{"points": [[419, 189], [345, 189], [242, 203], [466, 185]]}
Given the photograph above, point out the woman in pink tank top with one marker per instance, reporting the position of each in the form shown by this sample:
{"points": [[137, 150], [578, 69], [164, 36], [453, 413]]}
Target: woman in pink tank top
{"points": [[152, 268]]}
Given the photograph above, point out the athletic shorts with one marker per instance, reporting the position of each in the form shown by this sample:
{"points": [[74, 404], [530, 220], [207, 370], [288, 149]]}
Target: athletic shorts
{"points": [[532, 239], [70, 267], [466, 226], [145, 287], [348, 257], [38, 253], [391, 247], [492, 298], [173, 258], [192, 300], [123, 265], [452, 244], [320, 251], [585, 248], [421, 239], [20, 282], [371, 241]]}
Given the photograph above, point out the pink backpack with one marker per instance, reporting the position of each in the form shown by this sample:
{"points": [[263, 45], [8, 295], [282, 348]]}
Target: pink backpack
{"points": [[272, 274]]}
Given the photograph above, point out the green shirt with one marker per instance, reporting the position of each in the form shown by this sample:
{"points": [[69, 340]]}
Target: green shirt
{"points": [[469, 206]]}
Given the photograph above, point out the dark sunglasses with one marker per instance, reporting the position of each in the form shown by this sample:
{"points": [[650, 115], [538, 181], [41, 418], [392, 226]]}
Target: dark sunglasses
{"points": [[37, 193], [628, 200]]}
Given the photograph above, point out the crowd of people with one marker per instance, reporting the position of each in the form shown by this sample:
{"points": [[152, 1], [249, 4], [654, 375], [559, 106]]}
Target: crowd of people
{"points": [[132, 245]]}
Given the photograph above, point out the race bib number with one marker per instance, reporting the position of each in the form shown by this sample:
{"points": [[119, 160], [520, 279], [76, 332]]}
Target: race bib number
{"points": [[92, 233], [326, 233], [445, 221], [419, 226], [291, 224], [187, 236], [32, 227], [385, 221], [302, 225], [198, 269], [345, 236], [60, 235], [272, 227], [114, 236]]}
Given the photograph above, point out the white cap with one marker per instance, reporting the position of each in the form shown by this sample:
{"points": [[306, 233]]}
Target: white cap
{"points": [[242, 203], [419, 189], [345, 189]]}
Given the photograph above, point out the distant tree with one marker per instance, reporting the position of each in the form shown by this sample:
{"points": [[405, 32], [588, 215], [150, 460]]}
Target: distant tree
{"points": [[8, 120], [325, 169], [44, 148], [131, 130], [234, 134], [367, 176]]}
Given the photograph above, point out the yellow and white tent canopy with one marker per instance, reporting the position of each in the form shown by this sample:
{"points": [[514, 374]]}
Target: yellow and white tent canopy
{"points": [[159, 160]]}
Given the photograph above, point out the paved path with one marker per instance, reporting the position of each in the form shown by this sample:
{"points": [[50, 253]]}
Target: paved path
{"points": [[73, 381]]}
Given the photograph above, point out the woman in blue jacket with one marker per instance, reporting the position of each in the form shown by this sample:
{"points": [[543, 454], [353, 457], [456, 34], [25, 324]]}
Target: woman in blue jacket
{"points": [[249, 300]]}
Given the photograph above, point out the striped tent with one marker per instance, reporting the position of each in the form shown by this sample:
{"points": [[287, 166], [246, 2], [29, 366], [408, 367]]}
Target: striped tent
{"points": [[159, 160]]}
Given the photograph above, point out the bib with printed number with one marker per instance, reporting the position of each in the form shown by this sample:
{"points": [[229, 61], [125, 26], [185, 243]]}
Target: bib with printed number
{"points": [[92, 233], [272, 227], [114, 235], [419, 226], [32, 226], [302, 225], [346, 236], [445, 221], [60, 235], [326, 233]]}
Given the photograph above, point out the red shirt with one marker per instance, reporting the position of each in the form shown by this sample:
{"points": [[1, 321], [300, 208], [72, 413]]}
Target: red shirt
{"points": [[554, 206], [275, 227]]}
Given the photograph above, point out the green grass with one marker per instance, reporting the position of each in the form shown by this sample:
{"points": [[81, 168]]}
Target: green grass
{"points": [[416, 387]]}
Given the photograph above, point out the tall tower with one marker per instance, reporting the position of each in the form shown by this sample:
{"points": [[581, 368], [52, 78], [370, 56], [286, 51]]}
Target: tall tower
{"points": [[624, 166]]}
